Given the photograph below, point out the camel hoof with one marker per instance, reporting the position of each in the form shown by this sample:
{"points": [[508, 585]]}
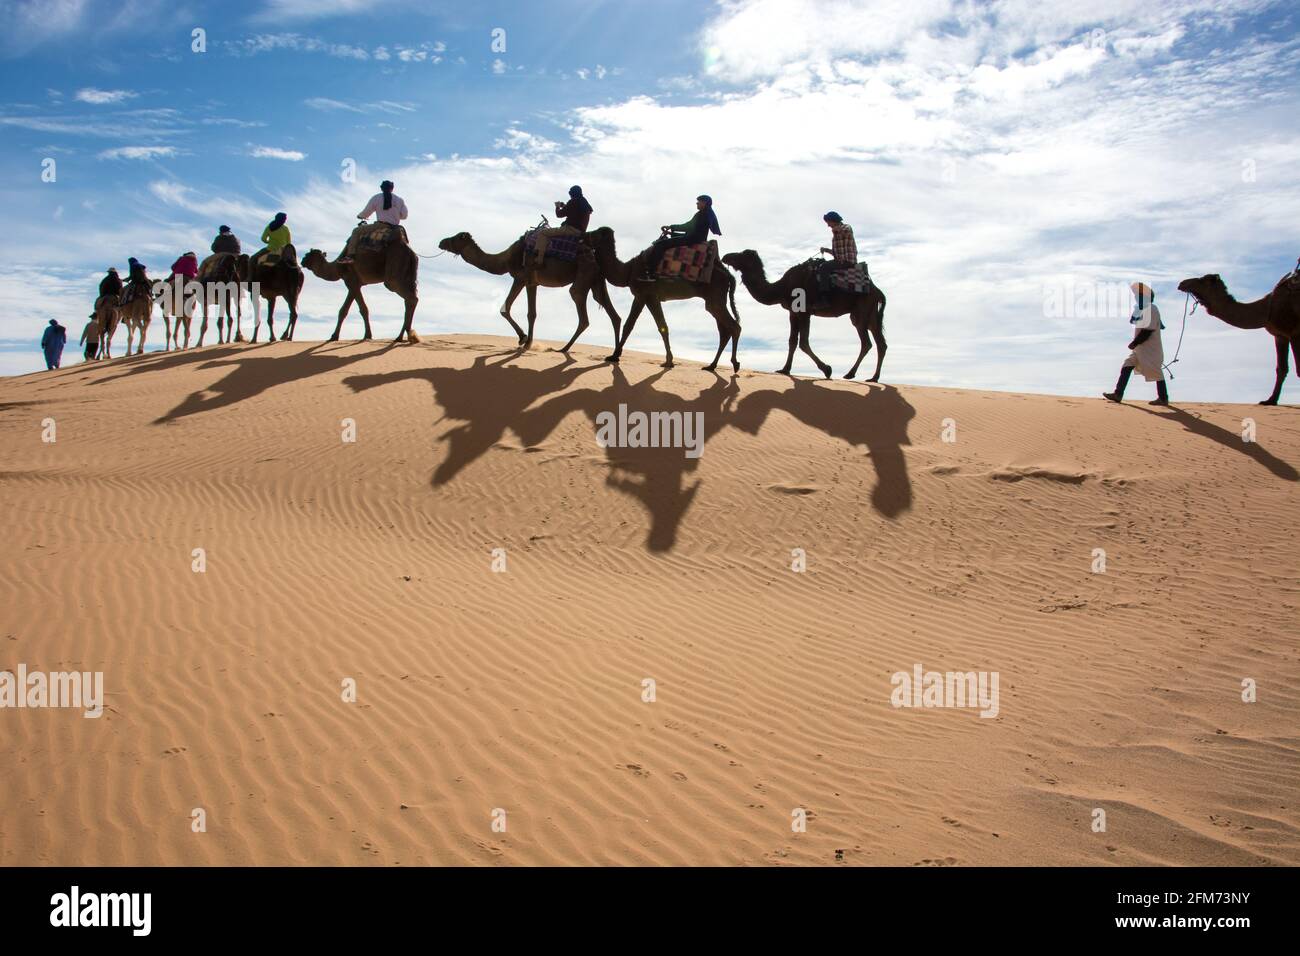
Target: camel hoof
{"points": [[332, 338], [735, 366], [367, 337], [874, 378], [711, 368], [848, 375], [1269, 401], [612, 359], [667, 364], [782, 371], [826, 370]]}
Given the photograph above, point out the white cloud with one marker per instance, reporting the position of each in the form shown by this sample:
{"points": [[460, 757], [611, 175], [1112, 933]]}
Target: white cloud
{"points": [[139, 152], [104, 97], [274, 152]]}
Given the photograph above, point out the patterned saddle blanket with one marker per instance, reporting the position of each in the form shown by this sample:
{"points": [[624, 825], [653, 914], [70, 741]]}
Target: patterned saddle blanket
{"points": [[692, 263], [375, 237], [856, 279], [564, 247]]}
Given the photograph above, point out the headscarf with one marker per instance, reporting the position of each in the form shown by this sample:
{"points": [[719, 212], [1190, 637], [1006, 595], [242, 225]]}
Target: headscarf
{"points": [[1142, 310], [132, 261], [280, 219], [578, 202], [223, 229], [386, 187], [833, 217], [713, 217]]}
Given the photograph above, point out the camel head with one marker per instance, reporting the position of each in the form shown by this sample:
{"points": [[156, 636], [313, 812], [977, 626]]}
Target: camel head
{"points": [[456, 244], [743, 262], [599, 238], [1205, 290], [313, 259]]}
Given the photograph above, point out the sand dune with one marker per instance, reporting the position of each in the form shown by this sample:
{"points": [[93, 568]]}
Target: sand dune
{"points": [[523, 691]]}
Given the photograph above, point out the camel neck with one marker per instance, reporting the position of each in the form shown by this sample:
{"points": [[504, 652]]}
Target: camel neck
{"points": [[1240, 315]]}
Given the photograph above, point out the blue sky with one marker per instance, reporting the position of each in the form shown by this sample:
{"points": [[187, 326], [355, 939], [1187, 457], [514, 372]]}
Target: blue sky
{"points": [[993, 158]]}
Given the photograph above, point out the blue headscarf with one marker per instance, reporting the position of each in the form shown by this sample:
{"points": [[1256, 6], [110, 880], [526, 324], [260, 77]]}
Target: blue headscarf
{"points": [[278, 221], [713, 217], [833, 217]]}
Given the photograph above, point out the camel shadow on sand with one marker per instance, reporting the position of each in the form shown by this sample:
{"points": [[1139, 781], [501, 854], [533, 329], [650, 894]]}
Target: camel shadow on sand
{"points": [[492, 398], [250, 375], [1228, 439]]}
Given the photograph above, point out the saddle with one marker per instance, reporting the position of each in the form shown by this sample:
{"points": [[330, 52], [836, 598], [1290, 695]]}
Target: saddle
{"points": [[693, 263], [134, 289], [374, 237], [563, 247], [288, 256], [211, 267], [855, 279]]}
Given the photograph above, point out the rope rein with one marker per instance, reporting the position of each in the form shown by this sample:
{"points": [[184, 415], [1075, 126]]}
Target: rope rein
{"points": [[1168, 367]]}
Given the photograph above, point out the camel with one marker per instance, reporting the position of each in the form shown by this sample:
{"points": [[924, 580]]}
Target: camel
{"points": [[652, 293], [282, 279], [866, 310], [580, 275], [176, 299], [396, 266], [107, 315], [136, 314], [1278, 312], [222, 277]]}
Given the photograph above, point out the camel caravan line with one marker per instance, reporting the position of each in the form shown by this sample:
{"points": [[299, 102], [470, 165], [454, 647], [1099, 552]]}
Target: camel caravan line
{"points": [[683, 263]]}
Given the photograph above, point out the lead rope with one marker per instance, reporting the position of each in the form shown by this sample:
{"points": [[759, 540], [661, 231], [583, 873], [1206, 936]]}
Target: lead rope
{"points": [[1179, 348]]}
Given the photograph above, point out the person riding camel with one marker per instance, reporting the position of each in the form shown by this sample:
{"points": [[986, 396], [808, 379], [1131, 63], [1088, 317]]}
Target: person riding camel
{"points": [[137, 281], [226, 241], [275, 237], [111, 284], [843, 250], [186, 265], [577, 215], [1147, 354], [386, 207], [690, 233]]}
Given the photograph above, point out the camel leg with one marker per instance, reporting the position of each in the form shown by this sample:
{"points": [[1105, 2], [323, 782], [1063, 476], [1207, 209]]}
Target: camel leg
{"points": [[532, 313], [726, 331], [635, 313], [516, 287], [794, 340], [877, 328], [579, 297], [1281, 345], [860, 326], [167, 328], [600, 292], [257, 317], [203, 324], [806, 348], [409, 319], [343, 314], [293, 319], [657, 312], [270, 321], [354, 295]]}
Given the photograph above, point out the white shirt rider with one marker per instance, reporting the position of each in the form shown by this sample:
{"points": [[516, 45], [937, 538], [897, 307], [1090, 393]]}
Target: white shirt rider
{"points": [[393, 214]]}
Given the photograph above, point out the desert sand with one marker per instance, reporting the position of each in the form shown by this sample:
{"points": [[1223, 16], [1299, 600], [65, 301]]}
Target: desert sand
{"points": [[522, 691]]}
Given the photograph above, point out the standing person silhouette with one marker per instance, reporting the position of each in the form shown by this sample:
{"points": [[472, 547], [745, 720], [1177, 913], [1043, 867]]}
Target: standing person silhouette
{"points": [[1146, 354]]}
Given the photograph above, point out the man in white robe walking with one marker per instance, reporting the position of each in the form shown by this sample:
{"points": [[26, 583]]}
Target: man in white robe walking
{"points": [[1146, 353]]}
